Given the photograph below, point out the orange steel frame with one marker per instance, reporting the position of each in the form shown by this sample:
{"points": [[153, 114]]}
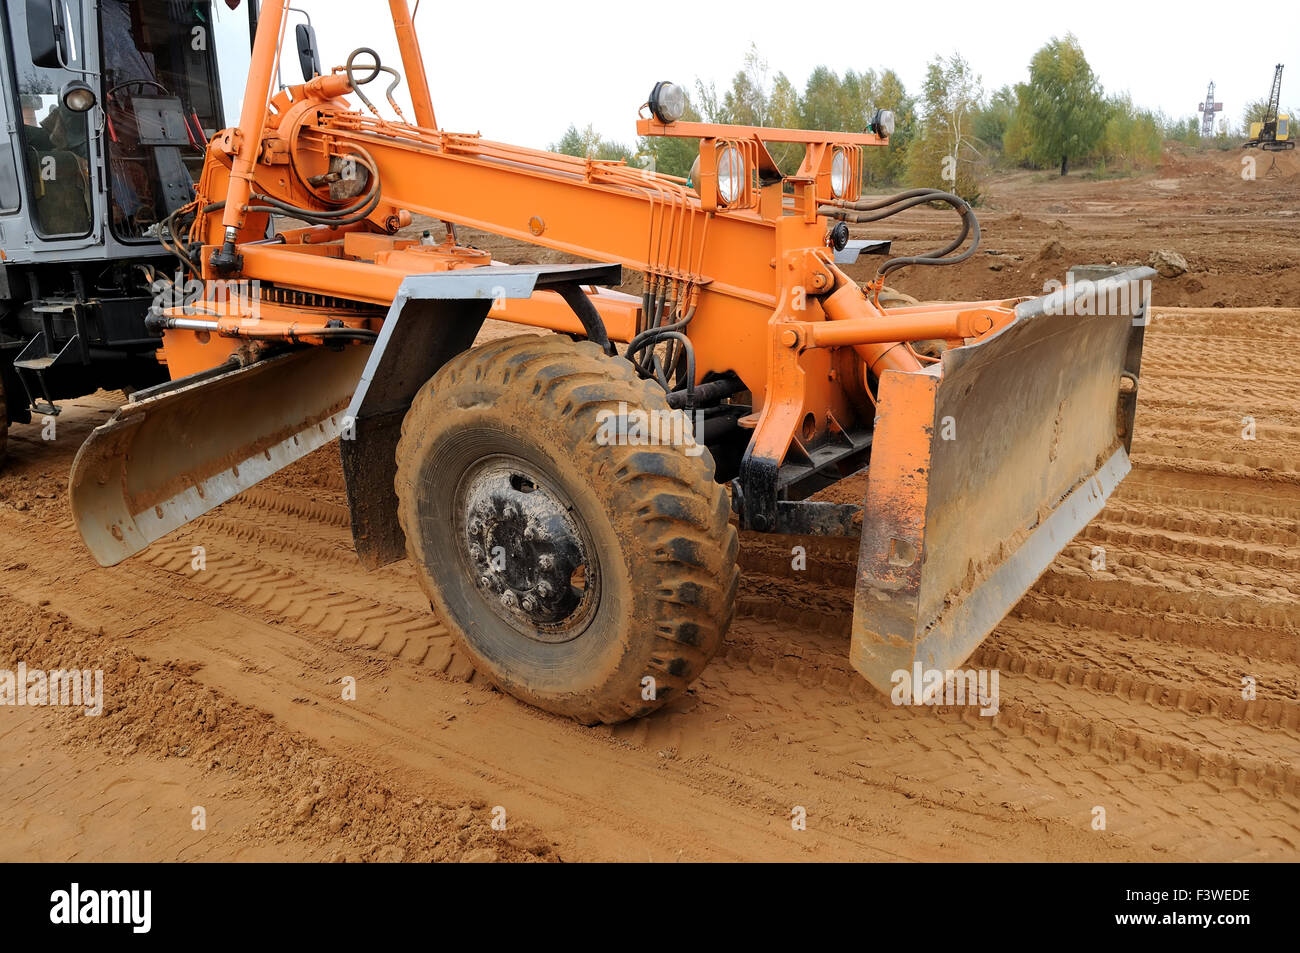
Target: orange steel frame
{"points": [[766, 299]]}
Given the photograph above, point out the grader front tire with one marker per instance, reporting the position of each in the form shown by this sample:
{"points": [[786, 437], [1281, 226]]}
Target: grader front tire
{"points": [[590, 580]]}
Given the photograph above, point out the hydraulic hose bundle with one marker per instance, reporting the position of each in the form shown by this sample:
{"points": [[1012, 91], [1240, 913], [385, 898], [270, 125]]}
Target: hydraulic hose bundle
{"points": [[338, 217], [875, 210], [676, 369]]}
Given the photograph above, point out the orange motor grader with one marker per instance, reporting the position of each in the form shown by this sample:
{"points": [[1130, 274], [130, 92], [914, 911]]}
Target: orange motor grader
{"points": [[571, 499]]}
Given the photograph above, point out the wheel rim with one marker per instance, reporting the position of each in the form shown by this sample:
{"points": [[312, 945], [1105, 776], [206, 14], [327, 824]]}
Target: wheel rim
{"points": [[527, 549]]}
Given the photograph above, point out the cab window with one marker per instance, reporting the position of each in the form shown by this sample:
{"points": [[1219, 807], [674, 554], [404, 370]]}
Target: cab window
{"points": [[162, 102], [53, 142]]}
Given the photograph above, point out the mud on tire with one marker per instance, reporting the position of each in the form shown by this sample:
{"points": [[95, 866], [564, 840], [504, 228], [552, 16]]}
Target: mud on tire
{"points": [[655, 591]]}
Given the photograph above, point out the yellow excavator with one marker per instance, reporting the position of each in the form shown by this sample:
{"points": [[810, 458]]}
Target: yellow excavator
{"points": [[1273, 131]]}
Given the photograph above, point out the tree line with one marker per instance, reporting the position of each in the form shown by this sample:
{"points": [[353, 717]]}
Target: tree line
{"points": [[949, 133]]}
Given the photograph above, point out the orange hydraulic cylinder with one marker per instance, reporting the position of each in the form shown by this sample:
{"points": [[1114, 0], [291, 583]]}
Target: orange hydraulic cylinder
{"points": [[266, 49], [890, 328], [413, 64], [847, 303]]}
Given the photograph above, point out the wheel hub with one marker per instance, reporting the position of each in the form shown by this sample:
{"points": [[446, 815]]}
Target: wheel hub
{"points": [[527, 550]]}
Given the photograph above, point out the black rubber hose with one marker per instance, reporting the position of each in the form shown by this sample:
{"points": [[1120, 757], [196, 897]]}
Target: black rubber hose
{"points": [[874, 211], [708, 392], [940, 256], [376, 68], [870, 205], [335, 217], [689, 401]]}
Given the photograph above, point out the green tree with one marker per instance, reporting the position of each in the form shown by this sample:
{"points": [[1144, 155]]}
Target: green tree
{"points": [[943, 155], [991, 121], [1062, 108], [822, 105], [1254, 112], [888, 165], [571, 143], [1186, 129], [783, 106], [746, 102], [589, 144], [1132, 138]]}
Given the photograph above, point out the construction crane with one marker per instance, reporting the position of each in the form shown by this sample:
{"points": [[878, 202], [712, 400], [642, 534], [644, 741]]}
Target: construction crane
{"points": [[571, 500], [1208, 108], [1273, 132]]}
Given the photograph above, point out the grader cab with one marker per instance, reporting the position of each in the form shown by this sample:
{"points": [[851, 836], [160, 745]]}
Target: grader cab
{"points": [[571, 500]]}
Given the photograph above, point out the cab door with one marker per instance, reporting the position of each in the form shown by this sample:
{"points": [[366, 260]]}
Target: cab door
{"points": [[56, 152]]}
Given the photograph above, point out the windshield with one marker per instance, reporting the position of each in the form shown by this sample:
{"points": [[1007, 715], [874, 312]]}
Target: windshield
{"points": [[162, 102]]}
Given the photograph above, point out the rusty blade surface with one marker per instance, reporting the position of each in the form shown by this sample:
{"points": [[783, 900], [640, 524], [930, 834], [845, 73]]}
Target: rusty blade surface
{"points": [[982, 474], [164, 460]]}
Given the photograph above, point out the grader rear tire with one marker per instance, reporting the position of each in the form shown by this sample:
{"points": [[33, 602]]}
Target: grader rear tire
{"points": [[590, 580]]}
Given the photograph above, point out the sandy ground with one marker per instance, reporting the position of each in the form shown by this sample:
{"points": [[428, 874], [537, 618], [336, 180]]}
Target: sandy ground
{"points": [[1121, 688]]}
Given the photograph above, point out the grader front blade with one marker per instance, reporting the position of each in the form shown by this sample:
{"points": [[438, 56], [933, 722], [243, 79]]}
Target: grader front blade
{"points": [[188, 447], [986, 466]]}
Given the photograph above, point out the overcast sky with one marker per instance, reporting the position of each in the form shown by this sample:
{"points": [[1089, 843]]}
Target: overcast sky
{"points": [[522, 71]]}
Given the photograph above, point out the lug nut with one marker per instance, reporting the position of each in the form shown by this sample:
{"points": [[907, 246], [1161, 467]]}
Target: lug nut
{"points": [[529, 604], [485, 582], [546, 561], [545, 589], [509, 599], [476, 526]]}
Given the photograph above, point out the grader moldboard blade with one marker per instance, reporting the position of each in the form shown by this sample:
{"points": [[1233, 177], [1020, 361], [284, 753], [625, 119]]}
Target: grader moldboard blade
{"points": [[981, 475], [187, 447]]}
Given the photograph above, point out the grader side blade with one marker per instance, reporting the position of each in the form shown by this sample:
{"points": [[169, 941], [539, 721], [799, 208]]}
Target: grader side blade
{"points": [[165, 459], [981, 475]]}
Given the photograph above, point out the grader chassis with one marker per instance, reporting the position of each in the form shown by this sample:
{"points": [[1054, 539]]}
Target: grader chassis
{"points": [[596, 578]]}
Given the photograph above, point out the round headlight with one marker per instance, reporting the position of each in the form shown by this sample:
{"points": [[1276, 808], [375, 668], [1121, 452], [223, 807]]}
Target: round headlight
{"points": [[882, 123], [668, 102], [731, 174], [78, 96], [841, 170]]}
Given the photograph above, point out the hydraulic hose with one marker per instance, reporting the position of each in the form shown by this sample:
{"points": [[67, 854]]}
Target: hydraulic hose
{"points": [[875, 210], [335, 218]]}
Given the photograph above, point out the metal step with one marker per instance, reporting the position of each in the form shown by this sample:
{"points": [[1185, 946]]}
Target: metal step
{"points": [[55, 306], [36, 359]]}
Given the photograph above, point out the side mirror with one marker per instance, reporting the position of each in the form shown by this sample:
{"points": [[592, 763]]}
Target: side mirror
{"points": [[308, 55], [47, 34]]}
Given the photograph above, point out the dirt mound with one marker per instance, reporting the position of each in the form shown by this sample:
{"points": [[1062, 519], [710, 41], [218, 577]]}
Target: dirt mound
{"points": [[158, 711], [1285, 164], [1053, 251]]}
